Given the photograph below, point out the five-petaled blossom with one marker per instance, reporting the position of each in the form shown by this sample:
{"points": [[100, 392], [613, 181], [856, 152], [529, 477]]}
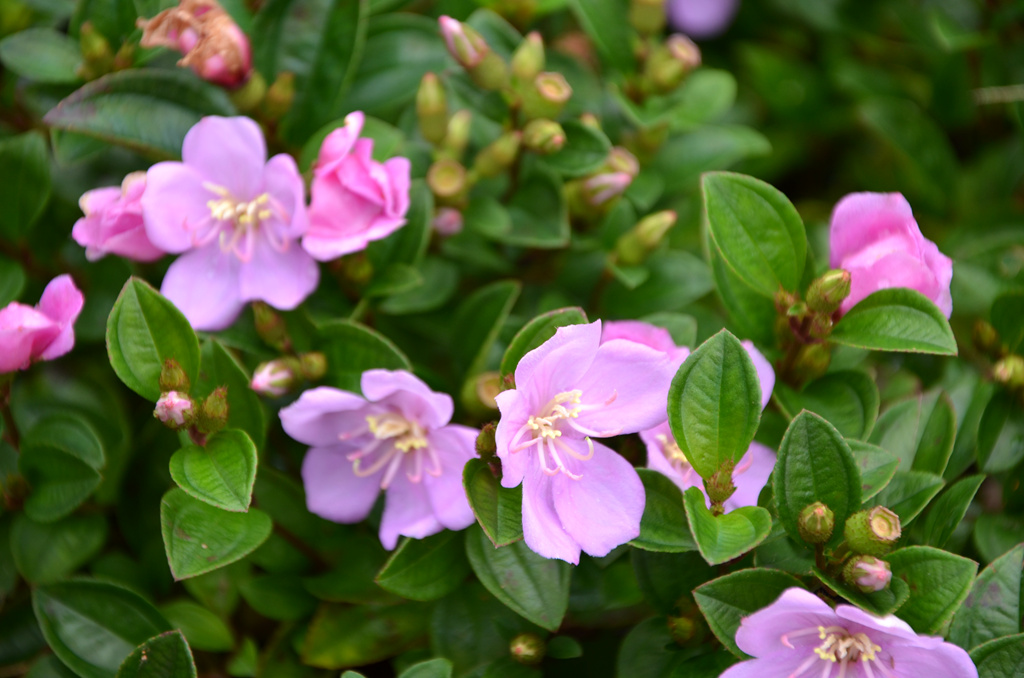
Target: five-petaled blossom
{"points": [[355, 199], [874, 236], [800, 636], [236, 216], [751, 472], [42, 333], [577, 493], [113, 222], [395, 437]]}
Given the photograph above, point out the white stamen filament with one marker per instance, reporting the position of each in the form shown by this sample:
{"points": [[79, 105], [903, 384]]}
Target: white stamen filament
{"points": [[542, 431], [840, 649], [234, 223], [399, 437]]}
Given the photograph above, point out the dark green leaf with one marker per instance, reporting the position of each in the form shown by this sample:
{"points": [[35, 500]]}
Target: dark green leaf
{"points": [[995, 534], [939, 582], [684, 158], [879, 602], [477, 323], [848, 399], [46, 552], [896, 319], [61, 458], [218, 367], [752, 314], [722, 538], [607, 24], [876, 466], [1000, 658], [164, 656], [222, 473], [499, 510], [667, 578], [704, 96], [663, 527], [352, 348], [24, 163], [203, 629], [1001, 434], [282, 597], [340, 637], [675, 279], [12, 280], [432, 668], [536, 332], [426, 569], [1008, 319], [538, 212], [992, 609], [949, 509], [43, 55], [408, 245]]}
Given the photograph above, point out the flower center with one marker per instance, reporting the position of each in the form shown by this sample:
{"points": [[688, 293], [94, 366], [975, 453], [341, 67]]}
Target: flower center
{"points": [[840, 649], [843, 647], [546, 424], [396, 442], [235, 223], [408, 435]]}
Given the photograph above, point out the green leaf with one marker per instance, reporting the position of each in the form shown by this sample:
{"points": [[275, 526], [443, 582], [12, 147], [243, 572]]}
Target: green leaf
{"points": [[477, 323], [683, 158], [876, 466], [25, 164], [757, 230], [752, 314], [145, 110], [949, 509], [1008, 319], [714, 404], [607, 24], [340, 637], [218, 367], [426, 569], [939, 582], [203, 629], [221, 474], [1000, 434], [164, 656], [499, 510], [432, 668], [847, 399], [61, 458], [145, 329], [936, 433], [92, 626], [665, 578], [995, 534], [814, 464], [722, 538], [726, 600], [992, 608], [675, 279], [908, 493], [896, 319], [881, 602], [282, 597], [538, 212], [46, 552], [532, 586], [663, 526], [536, 332], [584, 152], [704, 96], [1000, 658], [43, 55], [440, 282], [12, 280], [352, 348], [394, 279], [785, 554], [199, 538], [649, 651]]}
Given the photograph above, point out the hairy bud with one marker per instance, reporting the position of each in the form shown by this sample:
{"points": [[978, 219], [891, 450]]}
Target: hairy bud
{"points": [[816, 523], [634, 245], [873, 532], [173, 378], [213, 415], [828, 292], [543, 136], [313, 365], [547, 97], [986, 338], [1010, 372], [486, 68], [720, 485], [527, 648]]}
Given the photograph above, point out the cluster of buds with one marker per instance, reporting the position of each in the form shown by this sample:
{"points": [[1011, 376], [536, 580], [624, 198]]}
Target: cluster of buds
{"points": [[487, 69], [213, 44], [870, 534], [277, 377], [179, 412], [669, 64], [805, 325]]}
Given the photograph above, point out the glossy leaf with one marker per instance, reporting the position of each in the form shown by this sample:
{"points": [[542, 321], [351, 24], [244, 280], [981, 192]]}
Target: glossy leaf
{"points": [[908, 493], [939, 582], [1008, 320], [42, 55], [722, 538], [663, 526], [478, 321], [607, 25], [426, 569], [352, 348], [584, 152], [340, 637], [538, 212], [282, 597], [992, 609], [203, 629], [498, 510], [61, 458], [47, 552], [847, 399], [949, 509], [876, 466], [896, 319], [1000, 434], [221, 474], [164, 656]]}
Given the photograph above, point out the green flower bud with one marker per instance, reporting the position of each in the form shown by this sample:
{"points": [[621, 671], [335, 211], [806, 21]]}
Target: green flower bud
{"points": [[829, 291], [458, 133], [986, 339], [313, 365], [720, 486], [498, 155], [486, 447], [812, 360], [527, 648], [669, 64], [213, 415], [621, 160], [820, 326], [528, 59], [432, 109], [872, 532], [543, 136], [96, 52], [547, 97], [635, 244], [447, 178], [270, 326], [478, 393], [280, 96], [867, 573], [647, 16], [816, 523], [1010, 372], [173, 378], [249, 96]]}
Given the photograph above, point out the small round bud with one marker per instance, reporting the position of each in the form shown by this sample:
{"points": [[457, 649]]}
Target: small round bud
{"points": [[432, 109], [250, 95], [634, 245], [684, 50], [867, 573], [872, 532], [313, 365], [828, 292], [547, 97], [270, 326], [528, 59], [527, 648], [175, 410], [1010, 372], [486, 447], [457, 137], [986, 339], [447, 221], [213, 415], [816, 523], [464, 44], [647, 16], [621, 160], [280, 96], [820, 326], [446, 178], [173, 378], [601, 189], [497, 156], [275, 378], [543, 136]]}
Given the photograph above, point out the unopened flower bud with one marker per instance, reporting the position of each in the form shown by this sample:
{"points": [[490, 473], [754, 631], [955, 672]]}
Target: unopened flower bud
{"points": [[280, 96], [1010, 372], [591, 121], [97, 56], [820, 326], [487, 69], [684, 50], [486, 447], [527, 648], [528, 59], [213, 415], [601, 189], [457, 136], [829, 291], [249, 96], [547, 97], [986, 338], [872, 532], [313, 365], [543, 136], [812, 360], [275, 378], [816, 523], [635, 244], [446, 178], [647, 16], [720, 485], [173, 378], [447, 221], [478, 393], [621, 160], [432, 109], [867, 573], [175, 410], [270, 326], [498, 155]]}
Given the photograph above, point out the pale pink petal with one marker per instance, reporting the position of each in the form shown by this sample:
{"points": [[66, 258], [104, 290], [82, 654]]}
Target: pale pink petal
{"points": [[514, 409], [454, 445], [860, 220], [941, 267], [657, 460], [890, 624], [602, 509], [943, 661], [750, 476], [542, 528], [558, 363], [174, 205], [21, 327], [333, 491], [203, 284], [410, 395], [895, 270], [407, 512], [765, 373], [398, 171], [323, 414], [99, 199], [642, 333], [282, 181], [61, 302], [780, 664], [766, 631], [227, 152], [282, 279], [338, 144]]}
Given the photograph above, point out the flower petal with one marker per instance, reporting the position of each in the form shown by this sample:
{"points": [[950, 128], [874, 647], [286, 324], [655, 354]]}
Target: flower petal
{"points": [[227, 152], [602, 509], [454, 445], [657, 460], [333, 491], [765, 373], [282, 180], [203, 284], [558, 363], [282, 279], [779, 664], [338, 143], [861, 220], [944, 661], [174, 205], [407, 512], [542, 528], [889, 624], [761, 633], [899, 269], [751, 475], [322, 414], [61, 302], [21, 328], [413, 398], [514, 409]]}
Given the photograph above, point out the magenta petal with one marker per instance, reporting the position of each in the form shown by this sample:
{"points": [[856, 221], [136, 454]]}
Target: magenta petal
{"points": [[61, 302], [860, 220], [542, 528], [761, 633], [338, 143], [398, 171], [413, 398], [407, 512], [602, 509], [203, 284], [227, 152], [765, 373], [751, 475], [22, 330], [454, 445], [898, 269], [174, 205], [283, 279], [944, 661], [323, 414], [333, 491]]}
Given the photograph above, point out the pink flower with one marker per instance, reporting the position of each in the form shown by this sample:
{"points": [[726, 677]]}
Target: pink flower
{"points": [[647, 334], [397, 438], [355, 198], [113, 222], [236, 217], [701, 18], [800, 636], [875, 238], [173, 408], [42, 333], [579, 494]]}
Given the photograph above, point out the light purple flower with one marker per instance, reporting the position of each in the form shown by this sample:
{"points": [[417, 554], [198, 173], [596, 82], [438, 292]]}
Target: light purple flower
{"points": [[113, 222], [395, 437], [236, 217], [355, 198], [800, 636], [45, 332], [647, 334], [874, 236], [701, 18], [579, 494]]}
